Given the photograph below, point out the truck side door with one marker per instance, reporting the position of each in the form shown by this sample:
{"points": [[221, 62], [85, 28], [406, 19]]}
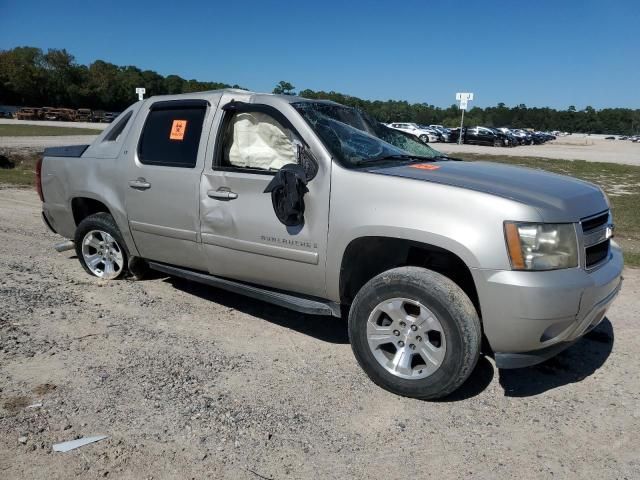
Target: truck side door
{"points": [[241, 235], [165, 162]]}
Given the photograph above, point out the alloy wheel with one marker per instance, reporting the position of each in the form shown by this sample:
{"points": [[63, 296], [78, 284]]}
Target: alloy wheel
{"points": [[102, 254], [406, 338]]}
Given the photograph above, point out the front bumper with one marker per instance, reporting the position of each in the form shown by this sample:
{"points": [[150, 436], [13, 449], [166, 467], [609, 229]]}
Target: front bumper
{"points": [[530, 316]]}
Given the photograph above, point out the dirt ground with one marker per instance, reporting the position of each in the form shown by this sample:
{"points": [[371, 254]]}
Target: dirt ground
{"points": [[191, 382], [572, 147]]}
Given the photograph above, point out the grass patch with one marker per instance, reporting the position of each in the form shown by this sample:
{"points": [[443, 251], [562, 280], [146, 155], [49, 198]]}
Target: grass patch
{"points": [[620, 182], [10, 130], [17, 177], [24, 165]]}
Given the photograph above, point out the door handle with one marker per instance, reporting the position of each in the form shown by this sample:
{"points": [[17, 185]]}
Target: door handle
{"points": [[139, 184], [222, 194]]}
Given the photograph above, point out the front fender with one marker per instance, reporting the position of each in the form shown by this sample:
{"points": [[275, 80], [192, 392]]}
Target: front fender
{"points": [[464, 222]]}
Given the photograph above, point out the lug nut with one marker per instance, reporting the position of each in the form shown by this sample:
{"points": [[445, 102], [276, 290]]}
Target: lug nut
{"points": [[402, 324], [396, 333], [418, 338], [401, 343], [412, 346], [414, 328]]}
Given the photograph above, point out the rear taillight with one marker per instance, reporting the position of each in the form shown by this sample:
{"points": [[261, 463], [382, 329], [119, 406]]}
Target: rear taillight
{"points": [[39, 179]]}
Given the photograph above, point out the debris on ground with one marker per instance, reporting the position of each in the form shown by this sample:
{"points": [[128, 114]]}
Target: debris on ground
{"points": [[80, 442]]}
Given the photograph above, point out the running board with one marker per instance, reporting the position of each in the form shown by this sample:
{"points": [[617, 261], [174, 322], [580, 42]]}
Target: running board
{"points": [[302, 304]]}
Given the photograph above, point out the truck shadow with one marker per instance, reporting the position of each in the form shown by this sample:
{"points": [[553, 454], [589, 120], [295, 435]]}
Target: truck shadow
{"points": [[573, 365], [477, 382], [327, 329]]}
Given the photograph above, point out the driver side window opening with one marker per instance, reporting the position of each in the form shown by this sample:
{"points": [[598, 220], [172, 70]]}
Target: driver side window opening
{"points": [[255, 141]]}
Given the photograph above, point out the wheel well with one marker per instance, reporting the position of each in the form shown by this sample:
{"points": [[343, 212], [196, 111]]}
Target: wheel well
{"points": [[367, 257], [83, 207]]}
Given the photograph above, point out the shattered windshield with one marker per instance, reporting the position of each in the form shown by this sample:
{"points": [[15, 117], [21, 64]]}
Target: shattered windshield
{"points": [[355, 138]]}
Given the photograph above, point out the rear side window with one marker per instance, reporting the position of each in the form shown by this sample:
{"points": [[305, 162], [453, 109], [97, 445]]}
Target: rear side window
{"points": [[171, 134], [117, 129]]}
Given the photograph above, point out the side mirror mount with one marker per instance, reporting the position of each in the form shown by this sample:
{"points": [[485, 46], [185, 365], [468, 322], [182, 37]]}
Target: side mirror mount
{"points": [[307, 161]]}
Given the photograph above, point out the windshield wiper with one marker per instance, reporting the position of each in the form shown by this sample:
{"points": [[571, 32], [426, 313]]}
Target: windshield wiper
{"points": [[382, 158]]}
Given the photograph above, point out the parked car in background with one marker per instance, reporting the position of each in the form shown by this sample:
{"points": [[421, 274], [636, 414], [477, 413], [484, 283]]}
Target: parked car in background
{"points": [[98, 116], [443, 132], [110, 116], [60, 114], [514, 141], [28, 113], [425, 135], [524, 136], [481, 136], [8, 111], [49, 113], [84, 115], [67, 115]]}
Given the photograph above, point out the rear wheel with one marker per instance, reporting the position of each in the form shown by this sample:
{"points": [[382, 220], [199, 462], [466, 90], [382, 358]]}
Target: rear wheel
{"points": [[424, 138], [415, 332], [100, 247]]}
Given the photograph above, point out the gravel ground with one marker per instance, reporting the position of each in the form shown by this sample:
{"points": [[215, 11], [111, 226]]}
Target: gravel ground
{"points": [[191, 382]]}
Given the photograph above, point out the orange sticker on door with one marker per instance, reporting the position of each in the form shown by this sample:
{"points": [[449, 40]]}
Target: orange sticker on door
{"points": [[178, 128], [425, 166]]}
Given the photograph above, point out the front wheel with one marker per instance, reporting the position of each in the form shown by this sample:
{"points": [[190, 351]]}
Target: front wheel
{"points": [[100, 247], [424, 138], [415, 332]]}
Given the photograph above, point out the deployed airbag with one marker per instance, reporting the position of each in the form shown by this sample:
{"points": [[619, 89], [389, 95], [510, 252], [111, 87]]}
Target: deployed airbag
{"points": [[260, 142]]}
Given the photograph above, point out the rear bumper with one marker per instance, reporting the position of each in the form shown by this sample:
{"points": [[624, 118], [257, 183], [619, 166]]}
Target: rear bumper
{"points": [[531, 316]]}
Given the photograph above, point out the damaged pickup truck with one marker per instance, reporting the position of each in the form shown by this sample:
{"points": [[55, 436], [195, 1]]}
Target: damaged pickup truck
{"points": [[316, 207]]}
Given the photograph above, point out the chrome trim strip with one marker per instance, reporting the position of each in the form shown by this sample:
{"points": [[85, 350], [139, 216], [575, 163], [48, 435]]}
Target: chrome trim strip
{"points": [[261, 249]]}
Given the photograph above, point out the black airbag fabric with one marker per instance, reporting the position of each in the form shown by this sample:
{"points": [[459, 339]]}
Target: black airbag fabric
{"points": [[287, 194]]}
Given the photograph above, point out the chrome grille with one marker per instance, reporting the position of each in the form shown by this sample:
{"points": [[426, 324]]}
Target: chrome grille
{"points": [[597, 231]]}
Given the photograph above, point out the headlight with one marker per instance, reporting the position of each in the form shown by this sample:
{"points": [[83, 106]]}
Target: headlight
{"points": [[541, 246]]}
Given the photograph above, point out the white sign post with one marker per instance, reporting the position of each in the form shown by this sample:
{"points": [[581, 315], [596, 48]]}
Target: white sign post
{"points": [[464, 98], [141, 91]]}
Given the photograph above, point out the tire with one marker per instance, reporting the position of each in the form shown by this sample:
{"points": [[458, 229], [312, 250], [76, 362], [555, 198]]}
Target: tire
{"points": [[497, 143], [429, 299], [98, 239], [424, 138]]}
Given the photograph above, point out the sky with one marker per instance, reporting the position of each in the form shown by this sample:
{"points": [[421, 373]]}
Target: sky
{"points": [[540, 53]]}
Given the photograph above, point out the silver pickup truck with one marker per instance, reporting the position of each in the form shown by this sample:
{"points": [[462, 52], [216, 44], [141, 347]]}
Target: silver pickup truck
{"points": [[316, 207]]}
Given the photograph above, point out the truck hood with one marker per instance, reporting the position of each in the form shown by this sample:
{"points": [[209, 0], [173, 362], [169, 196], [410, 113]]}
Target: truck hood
{"points": [[558, 198]]}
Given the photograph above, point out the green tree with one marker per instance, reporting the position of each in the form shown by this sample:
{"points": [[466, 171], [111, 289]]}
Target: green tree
{"points": [[284, 88], [31, 77]]}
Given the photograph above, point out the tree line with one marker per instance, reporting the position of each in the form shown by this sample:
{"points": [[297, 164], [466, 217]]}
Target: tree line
{"points": [[31, 77], [607, 120]]}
